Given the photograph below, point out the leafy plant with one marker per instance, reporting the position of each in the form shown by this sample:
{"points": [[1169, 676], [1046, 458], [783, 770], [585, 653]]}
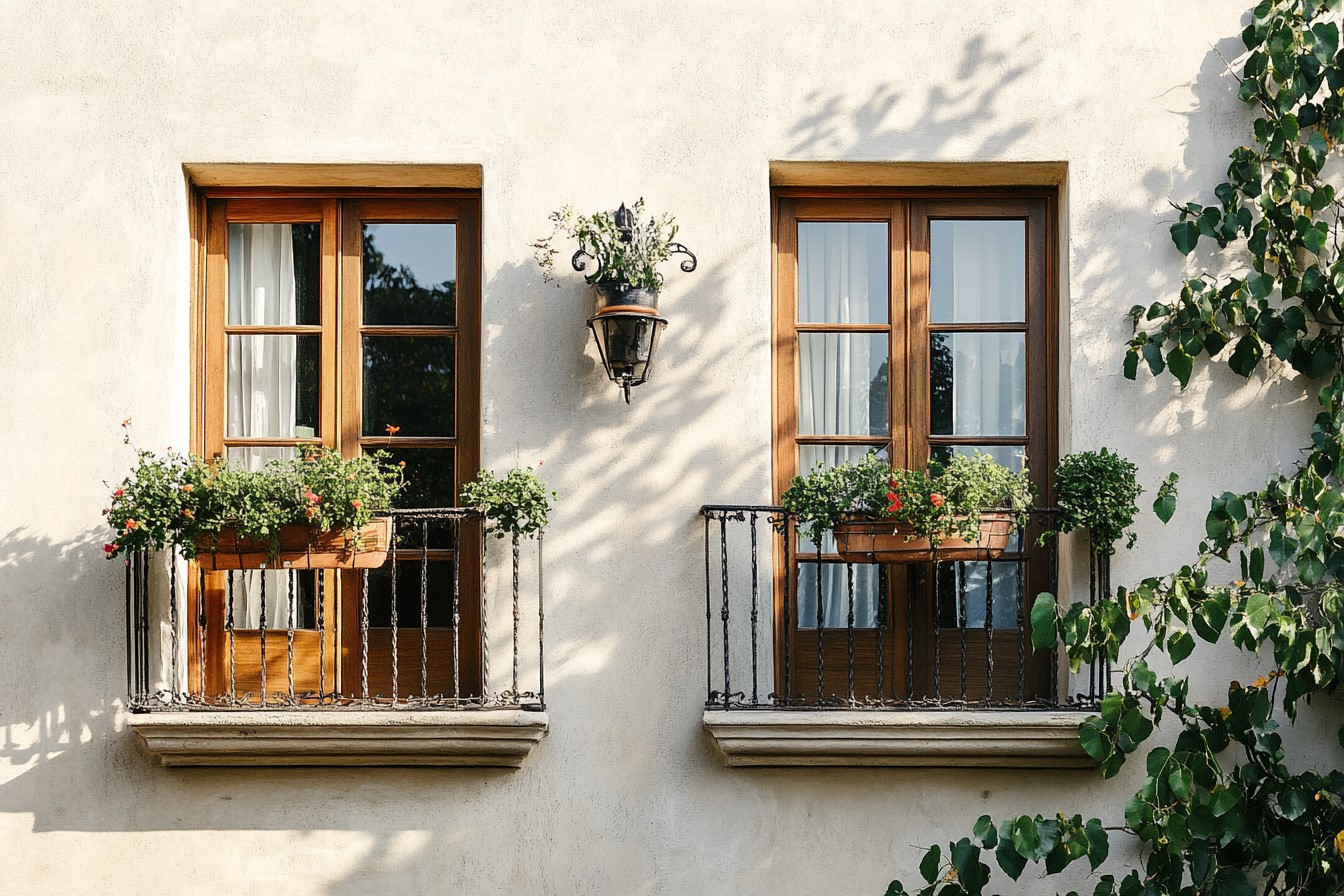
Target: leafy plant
{"points": [[622, 258], [186, 501], [1227, 806], [945, 500], [1097, 491], [516, 504]]}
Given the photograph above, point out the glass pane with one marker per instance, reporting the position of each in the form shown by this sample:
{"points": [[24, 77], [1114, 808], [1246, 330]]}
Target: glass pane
{"points": [[978, 384], [843, 272], [273, 386], [977, 271], [438, 596], [431, 481], [247, 603], [256, 458], [835, 595], [1010, 456], [829, 456], [410, 274], [842, 384], [956, 604], [274, 274], [408, 383]]}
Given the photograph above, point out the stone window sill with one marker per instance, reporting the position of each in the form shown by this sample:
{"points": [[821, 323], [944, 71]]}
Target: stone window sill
{"points": [[984, 739], [488, 738]]}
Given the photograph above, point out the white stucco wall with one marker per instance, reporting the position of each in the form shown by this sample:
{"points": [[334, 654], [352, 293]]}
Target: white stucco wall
{"points": [[592, 103]]}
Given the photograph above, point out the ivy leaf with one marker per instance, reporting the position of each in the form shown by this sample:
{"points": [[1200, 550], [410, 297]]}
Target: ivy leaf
{"points": [[1026, 838], [1010, 860], [1098, 843], [985, 832], [1293, 803], [1260, 285], [1044, 632], [1181, 365], [1131, 364], [1152, 353], [971, 874], [1179, 646], [1181, 781], [1185, 235], [932, 862], [1094, 743], [1246, 355]]}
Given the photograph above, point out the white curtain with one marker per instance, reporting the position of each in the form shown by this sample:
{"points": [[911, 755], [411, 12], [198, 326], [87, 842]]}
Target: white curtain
{"points": [[262, 385]]}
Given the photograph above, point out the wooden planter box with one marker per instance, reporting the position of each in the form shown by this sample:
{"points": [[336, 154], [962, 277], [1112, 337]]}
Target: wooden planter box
{"points": [[866, 540], [301, 547]]}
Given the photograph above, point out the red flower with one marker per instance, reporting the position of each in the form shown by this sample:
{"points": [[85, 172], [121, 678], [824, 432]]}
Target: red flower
{"points": [[110, 548], [936, 499], [895, 504], [356, 504], [131, 524], [392, 430], [313, 497], [119, 492]]}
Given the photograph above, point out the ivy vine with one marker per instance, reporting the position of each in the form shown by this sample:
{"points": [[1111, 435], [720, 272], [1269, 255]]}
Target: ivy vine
{"points": [[1226, 807]]}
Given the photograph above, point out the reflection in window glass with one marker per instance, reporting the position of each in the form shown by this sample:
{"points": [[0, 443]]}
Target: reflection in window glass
{"points": [[835, 595], [842, 384], [409, 383], [843, 272], [1010, 456], [977, 271], [978, 384], [272, 389], [438, 590], [963, 593], [274, 274], [410, 274]]}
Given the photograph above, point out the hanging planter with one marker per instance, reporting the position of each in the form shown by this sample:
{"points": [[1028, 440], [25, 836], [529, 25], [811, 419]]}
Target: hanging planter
{"points": [[863, 539], [299, 546]]}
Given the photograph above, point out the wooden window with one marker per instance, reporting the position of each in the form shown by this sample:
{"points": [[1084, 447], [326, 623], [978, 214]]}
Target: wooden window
{"points": [[350, 320], [917, 325]]}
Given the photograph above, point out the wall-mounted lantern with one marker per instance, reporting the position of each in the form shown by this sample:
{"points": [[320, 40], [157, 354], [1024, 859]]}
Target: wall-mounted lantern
{"points": [[625, 253]]}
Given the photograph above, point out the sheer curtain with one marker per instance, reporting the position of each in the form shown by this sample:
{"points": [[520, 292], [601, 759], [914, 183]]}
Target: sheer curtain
{"points": [[842, 273], [262, 386]]}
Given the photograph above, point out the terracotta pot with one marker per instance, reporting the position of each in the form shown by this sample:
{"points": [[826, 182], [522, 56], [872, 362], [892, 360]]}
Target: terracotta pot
{"points": [[868, 540], [301, 547], [614, 297]]}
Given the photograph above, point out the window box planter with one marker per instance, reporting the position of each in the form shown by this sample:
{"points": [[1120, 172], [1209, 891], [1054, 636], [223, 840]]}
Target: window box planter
{"points": [[301, 547], [863, 539]]}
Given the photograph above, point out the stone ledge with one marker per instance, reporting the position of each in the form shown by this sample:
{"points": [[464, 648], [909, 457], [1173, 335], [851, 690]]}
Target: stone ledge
{"points": [[984, 738], [490, 738]]}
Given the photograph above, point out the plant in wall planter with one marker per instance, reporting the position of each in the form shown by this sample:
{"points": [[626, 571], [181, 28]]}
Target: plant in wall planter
{"points": [[624, 249], [515, 505], [314, 511], [965, 509]]}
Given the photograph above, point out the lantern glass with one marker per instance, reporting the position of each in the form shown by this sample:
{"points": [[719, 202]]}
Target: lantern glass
{"points": [[626, 342]]}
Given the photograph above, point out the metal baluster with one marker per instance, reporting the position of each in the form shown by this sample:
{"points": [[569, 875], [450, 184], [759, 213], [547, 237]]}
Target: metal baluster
{"points": [[881, 632], [130, 636], [485, 617], [172, 620], [396, 691], [262, 574], [1022, 632], [321, 577], [709, 634], [821, 665], [1053, 555], [1092, 602], [961, 620], [849, 583], [201, 622], [233, 655], [456, 528], [541, 632], [424, 609], [789, 591], [516, 616], [989, 631], [364, 634], [723, 568], [911, 590], [289, 636], [936, 587], [755, 575]]}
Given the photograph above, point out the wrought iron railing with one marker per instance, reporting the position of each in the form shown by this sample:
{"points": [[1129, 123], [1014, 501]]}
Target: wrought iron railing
{"points": [[415, 632], [790, 624]]}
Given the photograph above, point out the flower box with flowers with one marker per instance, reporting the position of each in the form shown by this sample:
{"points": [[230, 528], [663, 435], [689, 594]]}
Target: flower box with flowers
{"points": [[314, 511], [964, 510]]}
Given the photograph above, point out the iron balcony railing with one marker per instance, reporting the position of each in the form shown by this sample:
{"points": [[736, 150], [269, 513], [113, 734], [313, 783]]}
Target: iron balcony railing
{"points": [[790, 625], [421, 631]]}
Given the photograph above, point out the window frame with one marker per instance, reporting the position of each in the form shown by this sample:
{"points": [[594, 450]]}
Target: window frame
{"points": [[341, 213], [907, 212]]}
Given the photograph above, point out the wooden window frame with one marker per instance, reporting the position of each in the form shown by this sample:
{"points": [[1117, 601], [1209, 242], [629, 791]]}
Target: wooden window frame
{"points": [[907, 212], [341, 212]]}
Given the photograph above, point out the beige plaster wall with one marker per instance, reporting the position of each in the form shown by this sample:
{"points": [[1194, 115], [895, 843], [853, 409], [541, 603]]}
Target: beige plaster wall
{"points": [[593, 103]]}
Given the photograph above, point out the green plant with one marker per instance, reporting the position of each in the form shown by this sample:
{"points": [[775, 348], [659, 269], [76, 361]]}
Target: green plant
{"points": [[1097, 491], [619, 261], [186, 501], [1228, 806], [516, 504], [944, 501]]}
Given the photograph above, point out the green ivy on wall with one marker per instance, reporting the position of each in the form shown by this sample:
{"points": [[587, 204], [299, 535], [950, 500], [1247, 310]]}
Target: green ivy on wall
{"points": [[1227, 809]]}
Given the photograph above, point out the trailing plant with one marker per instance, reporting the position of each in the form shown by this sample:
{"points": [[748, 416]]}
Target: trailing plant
{"points": [[626, 259], [185, 501], [944, 501], [516, 504], [1226, 805]]}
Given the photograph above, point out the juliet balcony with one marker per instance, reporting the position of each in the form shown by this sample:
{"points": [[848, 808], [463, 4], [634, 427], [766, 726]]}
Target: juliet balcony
{"points": [[814, 659], [434, 657]]}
